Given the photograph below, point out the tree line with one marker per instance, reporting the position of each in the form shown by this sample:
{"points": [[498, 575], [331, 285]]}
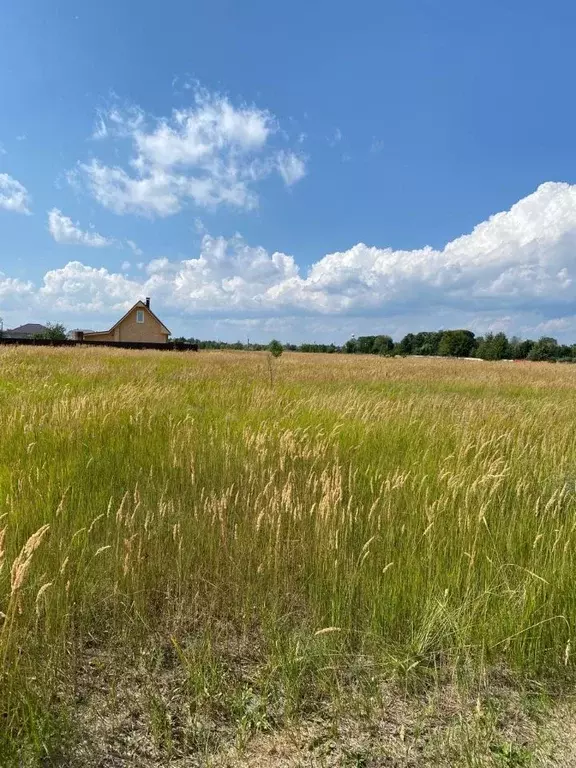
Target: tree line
{"points": [[255, 347], [464, 343], [445, 343]]}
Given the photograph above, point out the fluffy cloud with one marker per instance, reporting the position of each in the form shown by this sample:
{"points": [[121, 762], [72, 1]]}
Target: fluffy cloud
{"points": [[77, 289], [13, 195], [516, 271], [14, 292], [524, 258], [228, 276], [64, 231], [210, 154]]}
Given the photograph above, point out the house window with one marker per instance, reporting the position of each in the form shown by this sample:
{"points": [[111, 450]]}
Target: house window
{"points": [[139, 315]]}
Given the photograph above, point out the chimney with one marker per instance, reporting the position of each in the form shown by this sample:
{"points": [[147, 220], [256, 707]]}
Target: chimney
{"points": [[148, 302]]}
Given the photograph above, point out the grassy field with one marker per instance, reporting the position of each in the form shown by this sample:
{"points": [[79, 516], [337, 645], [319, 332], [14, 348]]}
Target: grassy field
{"points": [[338, 561]]}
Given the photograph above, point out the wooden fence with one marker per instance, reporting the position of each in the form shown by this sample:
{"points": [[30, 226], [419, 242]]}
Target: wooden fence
{"points": [[177, 346]]}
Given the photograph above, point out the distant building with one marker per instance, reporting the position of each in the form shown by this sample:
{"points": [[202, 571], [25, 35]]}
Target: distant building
{"points": [[75, 333], [26, 331], [138, 324]]}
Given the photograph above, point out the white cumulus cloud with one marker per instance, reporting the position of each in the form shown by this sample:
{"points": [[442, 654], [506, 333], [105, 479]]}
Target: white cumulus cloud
{"points": [[13, 195], [14, 292], [209, 154], [515, 271], [78, 288], [64, 231]]}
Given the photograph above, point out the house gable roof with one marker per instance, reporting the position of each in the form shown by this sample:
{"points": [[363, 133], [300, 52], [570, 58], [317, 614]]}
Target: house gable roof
{"points": [[28, 328], [138, 305]]}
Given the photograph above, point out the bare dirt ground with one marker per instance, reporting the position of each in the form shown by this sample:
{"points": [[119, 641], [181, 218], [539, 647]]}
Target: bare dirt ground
{"points": [[129, 718]]}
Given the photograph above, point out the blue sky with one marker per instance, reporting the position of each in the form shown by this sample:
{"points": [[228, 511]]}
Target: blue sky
{"points": [[303, 170]]}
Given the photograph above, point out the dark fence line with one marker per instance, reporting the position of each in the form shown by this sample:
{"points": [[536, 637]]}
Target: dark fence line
{"points": [[177, 346]]}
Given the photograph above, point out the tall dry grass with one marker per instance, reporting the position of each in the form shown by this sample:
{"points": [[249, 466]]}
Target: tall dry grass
{"points": [[360, 520]]}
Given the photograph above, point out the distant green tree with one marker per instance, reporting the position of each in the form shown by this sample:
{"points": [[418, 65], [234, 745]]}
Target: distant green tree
{"points": [[54, 332], [520, 349], [426, 343], [500, 346], [351, 347], [408, 344], [365, 344], [307, 347], [459, 343], [493, 347], [546, 348], [383, 345], [275, 348]]}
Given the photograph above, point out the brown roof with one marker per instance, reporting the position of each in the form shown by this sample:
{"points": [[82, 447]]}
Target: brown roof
{"points": [[138, 304], [30, 328]]}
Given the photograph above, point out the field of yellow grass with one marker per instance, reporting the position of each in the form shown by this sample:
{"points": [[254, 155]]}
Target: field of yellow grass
{"points": [[336, 560]]}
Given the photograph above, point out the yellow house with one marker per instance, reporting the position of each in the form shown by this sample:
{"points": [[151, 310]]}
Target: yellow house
{"points": [[138, 324]]}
